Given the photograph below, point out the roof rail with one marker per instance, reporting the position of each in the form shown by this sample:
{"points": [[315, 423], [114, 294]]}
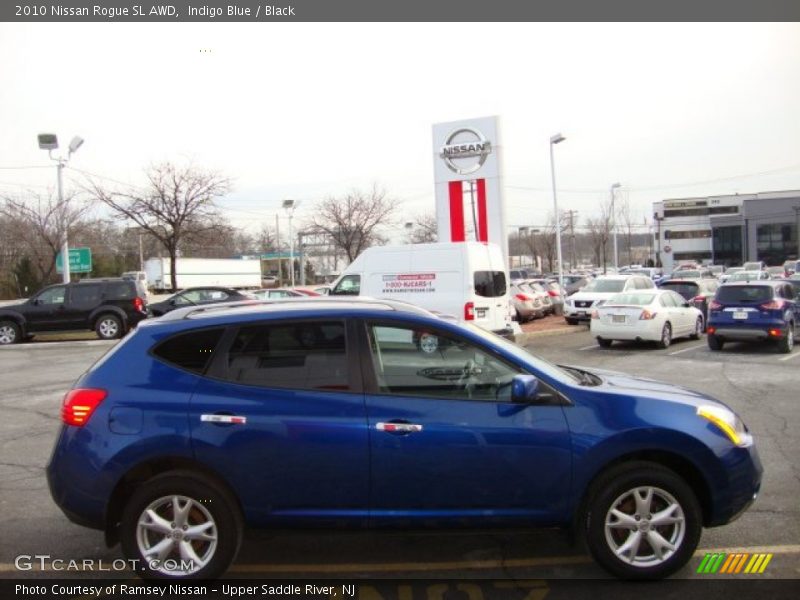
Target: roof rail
{"points": [[185, 313]]}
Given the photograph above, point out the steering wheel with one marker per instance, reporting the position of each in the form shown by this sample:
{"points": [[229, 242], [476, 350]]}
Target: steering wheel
{"points": [[466, 382]]}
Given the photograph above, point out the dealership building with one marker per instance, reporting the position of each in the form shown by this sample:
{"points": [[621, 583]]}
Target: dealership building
{"points": [[728, 230]]}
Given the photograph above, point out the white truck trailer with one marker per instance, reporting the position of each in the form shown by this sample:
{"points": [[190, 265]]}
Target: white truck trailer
{"points": [[193, 272]]}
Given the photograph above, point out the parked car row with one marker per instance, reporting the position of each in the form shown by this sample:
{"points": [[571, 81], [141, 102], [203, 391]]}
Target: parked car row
{"points": [[112, 306]]}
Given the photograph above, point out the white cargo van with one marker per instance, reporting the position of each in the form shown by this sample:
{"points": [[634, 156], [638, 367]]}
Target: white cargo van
{"points": [[464, 279]]}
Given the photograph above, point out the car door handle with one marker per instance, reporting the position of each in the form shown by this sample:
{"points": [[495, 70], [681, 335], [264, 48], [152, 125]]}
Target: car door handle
{"points": [[398, 427], [220, 419]]}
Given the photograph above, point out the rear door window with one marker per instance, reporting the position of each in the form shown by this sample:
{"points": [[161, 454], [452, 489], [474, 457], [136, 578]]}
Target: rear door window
{"points": [[85, 294], [490, 284], [302, 356]]}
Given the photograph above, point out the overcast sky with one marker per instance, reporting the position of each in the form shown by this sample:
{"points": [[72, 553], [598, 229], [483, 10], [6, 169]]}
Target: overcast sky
{"points": [[306, 111]]}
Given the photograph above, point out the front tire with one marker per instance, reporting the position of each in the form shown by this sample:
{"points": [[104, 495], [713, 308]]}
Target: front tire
{"points": [[9, 333], [642, 521], [181, 518], [604, 343], [108, 327], [571, 321]]}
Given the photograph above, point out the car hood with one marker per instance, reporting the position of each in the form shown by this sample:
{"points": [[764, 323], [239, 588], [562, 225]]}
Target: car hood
{"points": [[616, 382], [15, 306]]}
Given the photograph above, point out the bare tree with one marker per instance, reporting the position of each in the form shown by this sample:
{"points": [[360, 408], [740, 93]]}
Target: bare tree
{"points": [[625, 218], [425, 229], [600, 232], [177, 204], [41, 224], [353, 221], [266, 240]]}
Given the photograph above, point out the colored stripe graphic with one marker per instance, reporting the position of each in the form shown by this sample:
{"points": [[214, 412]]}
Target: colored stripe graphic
{"points": [[734, 563], [483, 224], [456, 191]]}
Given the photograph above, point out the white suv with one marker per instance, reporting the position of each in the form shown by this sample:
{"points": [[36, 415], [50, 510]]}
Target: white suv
{"points": [[578, 307]]}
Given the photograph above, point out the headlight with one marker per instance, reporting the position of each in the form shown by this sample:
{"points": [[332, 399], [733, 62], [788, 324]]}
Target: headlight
{"points": [[568, 302], [727, 422]]}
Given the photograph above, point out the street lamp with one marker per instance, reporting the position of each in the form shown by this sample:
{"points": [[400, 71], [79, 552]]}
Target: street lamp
{"points": [[49, 142], [289, 206], [614, 225], [557, 139]]}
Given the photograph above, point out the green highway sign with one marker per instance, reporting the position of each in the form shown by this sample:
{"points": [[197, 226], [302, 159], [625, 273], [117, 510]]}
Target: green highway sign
{"points": [[80, 261]]}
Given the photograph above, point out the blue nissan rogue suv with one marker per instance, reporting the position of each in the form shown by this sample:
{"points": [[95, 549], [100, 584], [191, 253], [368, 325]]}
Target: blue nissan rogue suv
{"points": [[335, 412]]}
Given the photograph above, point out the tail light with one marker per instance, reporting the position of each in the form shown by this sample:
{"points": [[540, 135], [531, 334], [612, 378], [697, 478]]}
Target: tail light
{"points": [[647, 315], [552, 293], [711, 330], [469, 311], [772, 305], [79, 405], [714, 305], [523, 297], [595, 314], [775, 332], [138, 304], [698, 299]]}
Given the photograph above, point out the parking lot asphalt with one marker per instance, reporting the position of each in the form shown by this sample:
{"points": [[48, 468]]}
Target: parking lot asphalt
{"points": [[757, 382]]}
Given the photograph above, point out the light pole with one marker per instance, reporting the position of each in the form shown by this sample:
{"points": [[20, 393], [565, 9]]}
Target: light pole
{"points": [[289, 206], [534, 256], [409, 227], [49, 142], [557, 139], [614, 188]]}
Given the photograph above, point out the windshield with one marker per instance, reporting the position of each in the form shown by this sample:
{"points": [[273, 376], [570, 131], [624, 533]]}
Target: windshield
{"points": [[630, 299], [605, 286]]}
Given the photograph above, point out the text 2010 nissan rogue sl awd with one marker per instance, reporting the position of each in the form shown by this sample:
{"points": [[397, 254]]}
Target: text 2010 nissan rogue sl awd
{"points": [[329, 412]]}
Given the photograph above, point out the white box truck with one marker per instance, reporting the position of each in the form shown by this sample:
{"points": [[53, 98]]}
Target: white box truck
{"points": [[467, 280], [194, 272]]}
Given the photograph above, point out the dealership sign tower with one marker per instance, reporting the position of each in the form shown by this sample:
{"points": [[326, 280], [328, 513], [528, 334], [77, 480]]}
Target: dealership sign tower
{"points": [[466, 167]]}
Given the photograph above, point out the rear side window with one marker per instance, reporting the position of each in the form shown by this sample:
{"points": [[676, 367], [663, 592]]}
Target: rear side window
{"points": [[302, 356], [490, 284], [728, 294], [350, 285], [190, 351], [687, 290]]}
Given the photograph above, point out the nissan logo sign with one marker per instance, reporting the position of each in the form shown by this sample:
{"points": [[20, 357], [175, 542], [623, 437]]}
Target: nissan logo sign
{"points": [[465, 150]]}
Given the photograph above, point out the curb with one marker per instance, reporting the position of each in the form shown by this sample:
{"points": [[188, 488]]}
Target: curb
{"points": [[46, 344], [523, 339]]}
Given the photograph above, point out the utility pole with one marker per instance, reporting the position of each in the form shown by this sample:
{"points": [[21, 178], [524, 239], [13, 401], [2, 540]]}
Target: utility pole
{"points": [[797, 231], [614, 187], [278, 248]]}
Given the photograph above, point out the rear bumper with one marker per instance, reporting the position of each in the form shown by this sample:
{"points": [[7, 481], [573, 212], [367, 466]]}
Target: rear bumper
{"points": [[749, 333], [507, 333]]}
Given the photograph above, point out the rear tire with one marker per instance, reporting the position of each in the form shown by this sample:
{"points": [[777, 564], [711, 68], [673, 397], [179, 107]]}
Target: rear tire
{"points": [[714, 343], [9, 333], [666, 336], [786, 345], [210, 529], [698, 329], [571, 321], [108, 327], [642, 521], [604, 343]]}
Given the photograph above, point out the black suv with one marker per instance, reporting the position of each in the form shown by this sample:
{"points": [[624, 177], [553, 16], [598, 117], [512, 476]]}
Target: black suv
{"points": [[109, 306]]}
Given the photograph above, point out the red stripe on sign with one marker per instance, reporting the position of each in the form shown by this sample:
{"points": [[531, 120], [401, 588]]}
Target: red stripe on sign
{"points": [[457, 233], [483, 225]]}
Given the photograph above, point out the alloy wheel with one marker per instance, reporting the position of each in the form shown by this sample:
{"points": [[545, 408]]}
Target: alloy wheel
{"points": [[645, 526], [176, 535], [108, 328], [8, 335]]}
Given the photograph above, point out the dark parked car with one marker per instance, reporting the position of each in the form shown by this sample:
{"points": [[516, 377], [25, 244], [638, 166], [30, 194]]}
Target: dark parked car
{"points": [[754, 310], [698, 292], [109, 306], [353, 412], [196, 297]]}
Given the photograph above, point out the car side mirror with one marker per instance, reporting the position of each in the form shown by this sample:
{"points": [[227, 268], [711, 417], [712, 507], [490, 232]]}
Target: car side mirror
{"points": [[172, 302], [524, 388], [686, 305], [35, 301]]}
